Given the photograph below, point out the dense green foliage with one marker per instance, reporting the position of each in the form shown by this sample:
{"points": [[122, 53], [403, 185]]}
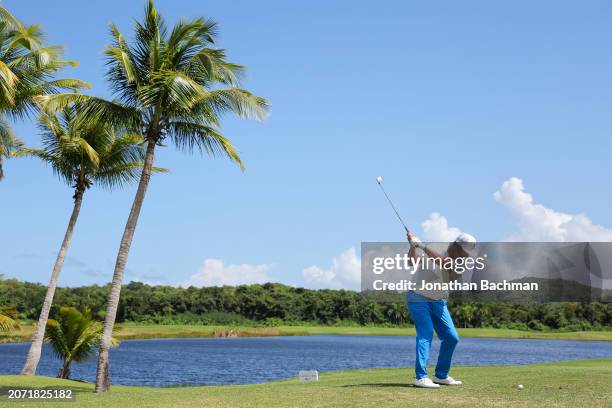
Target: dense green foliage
{"points": [[275, 304]]}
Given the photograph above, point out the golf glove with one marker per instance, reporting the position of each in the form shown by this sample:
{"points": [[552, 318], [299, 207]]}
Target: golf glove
{"points": [[417, 243]]}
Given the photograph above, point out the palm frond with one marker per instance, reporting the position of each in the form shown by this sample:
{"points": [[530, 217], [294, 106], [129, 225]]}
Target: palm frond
{"points": [[28, 67], [123, 174], [8, 82], [7, 17], [211, 65], [27, 37], [83, 149], [54, 335], [7, 323], [72, 335], [9, 144], [193, 136], [122, 56], [98, 109], [234, 100]]}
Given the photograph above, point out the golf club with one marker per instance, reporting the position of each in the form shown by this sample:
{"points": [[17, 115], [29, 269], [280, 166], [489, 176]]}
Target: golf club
{"points": [[379, 180]]}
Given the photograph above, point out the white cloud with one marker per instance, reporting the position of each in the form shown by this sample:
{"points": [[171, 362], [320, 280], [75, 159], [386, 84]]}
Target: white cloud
{"points": [[539, 223], [535, 222], [436, 229], [214, 272], [343, 273]]}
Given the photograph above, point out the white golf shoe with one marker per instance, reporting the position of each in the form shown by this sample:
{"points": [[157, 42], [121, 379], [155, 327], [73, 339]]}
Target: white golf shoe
{"points": [[425, 383], [447, 381]]}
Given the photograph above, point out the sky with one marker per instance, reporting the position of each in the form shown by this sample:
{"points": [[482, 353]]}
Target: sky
{"points": [[491, 118]]}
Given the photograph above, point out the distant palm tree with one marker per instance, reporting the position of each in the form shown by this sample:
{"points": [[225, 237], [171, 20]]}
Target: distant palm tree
{"points": [[396, 313], [8, 320], [466, 312], [82, 152], [170, 84], [73, 336], [26, 68]]}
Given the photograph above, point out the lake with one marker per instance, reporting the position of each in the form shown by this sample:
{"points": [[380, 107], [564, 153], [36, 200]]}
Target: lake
{"points": [[164, 362]]}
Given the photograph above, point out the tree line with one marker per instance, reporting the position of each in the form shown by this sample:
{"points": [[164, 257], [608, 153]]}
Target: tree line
{"points": [[275, 304]]}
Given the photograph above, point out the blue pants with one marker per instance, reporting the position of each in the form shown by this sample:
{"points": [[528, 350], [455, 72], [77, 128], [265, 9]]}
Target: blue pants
{"points": [[430, 315]]}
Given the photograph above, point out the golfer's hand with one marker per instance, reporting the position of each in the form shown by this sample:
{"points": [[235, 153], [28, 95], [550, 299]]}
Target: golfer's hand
{"points": [[414, 241]]}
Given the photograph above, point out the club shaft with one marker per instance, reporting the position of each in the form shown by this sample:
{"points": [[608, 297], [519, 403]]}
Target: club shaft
{"points": [[392, 206]]}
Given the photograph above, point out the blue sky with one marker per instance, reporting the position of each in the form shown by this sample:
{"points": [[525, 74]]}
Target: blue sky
{"points": [[448, 101]]}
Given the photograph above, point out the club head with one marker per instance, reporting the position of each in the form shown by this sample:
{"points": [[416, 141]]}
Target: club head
{"points": [[379, 179]]}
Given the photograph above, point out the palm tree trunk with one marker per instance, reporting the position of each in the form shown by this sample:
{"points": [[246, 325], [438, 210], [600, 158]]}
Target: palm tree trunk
{"points": [[65, 371], [102, 373], [31, 363]]}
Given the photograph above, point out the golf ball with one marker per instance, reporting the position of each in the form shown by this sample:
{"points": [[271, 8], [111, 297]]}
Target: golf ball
{"points": [[520, 386]]}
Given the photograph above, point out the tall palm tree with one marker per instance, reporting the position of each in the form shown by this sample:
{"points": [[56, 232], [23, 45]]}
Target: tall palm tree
{"points": [[170, 85], [82, 152], [26, 69], [73, 336]]}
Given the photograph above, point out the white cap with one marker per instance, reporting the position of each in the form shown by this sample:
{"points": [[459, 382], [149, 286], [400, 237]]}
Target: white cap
{"points": [[467, 242]]}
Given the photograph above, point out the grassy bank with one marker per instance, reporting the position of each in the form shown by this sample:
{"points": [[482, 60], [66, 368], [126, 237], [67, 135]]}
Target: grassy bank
{"points": [[137, 331], [570, 384], [482, 333]]}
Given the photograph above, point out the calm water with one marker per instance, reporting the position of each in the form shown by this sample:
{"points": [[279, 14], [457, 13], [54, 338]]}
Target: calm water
{"points": [[163, 362]]}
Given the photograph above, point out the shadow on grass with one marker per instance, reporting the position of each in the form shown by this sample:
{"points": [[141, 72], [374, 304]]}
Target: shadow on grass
{"points": [[391, 385]]}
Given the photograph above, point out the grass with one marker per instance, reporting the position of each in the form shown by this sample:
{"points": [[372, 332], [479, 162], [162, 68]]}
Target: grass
{"points": [[480, 332], [155, 331], [567, 384], [151, 331]]}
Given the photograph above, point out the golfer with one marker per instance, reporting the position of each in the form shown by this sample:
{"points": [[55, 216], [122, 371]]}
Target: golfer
{"points": [[429, 312]]}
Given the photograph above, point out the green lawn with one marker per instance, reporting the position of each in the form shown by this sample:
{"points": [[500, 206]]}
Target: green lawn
{"points": [[485, 332], [138, 331], [570, 384]]}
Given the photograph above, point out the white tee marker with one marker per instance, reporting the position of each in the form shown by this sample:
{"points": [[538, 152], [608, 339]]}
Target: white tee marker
{"points": [[309, 375]]}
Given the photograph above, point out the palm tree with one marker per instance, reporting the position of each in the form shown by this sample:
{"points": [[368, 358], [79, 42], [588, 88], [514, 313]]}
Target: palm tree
{"points": [[81, 151], [170, 84], [26, 68], [73, 336], [466, 313], [8, 320], [396, 313]]}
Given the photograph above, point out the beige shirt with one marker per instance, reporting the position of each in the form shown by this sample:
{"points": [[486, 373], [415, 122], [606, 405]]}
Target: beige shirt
{"points": [[431, 275]]}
